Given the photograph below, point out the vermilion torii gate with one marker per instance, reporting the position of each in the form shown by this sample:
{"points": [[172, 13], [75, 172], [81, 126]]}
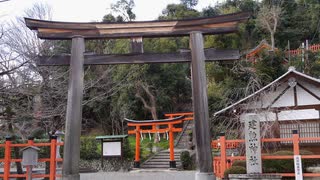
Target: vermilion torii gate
{"points": [[170, 129], [194, 28]]}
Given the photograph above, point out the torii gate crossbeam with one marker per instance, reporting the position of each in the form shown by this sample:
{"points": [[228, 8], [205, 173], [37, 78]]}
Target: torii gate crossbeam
{"points": [[78, 32]]}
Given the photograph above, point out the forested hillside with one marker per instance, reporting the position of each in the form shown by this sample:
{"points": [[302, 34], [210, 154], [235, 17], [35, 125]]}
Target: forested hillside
{"points": [[33, 99]]}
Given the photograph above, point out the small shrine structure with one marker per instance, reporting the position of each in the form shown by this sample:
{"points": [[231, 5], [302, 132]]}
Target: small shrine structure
{"points": [[291, 102]]}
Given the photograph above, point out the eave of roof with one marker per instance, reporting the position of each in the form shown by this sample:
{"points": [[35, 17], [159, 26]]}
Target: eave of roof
{"points": [[112, 137]]}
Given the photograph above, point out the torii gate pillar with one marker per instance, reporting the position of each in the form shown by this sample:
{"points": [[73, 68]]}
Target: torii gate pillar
{"points": [[71, 151], [200, 108]]}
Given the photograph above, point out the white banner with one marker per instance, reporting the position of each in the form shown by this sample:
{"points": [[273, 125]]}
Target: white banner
{"points": [[298, 167]]}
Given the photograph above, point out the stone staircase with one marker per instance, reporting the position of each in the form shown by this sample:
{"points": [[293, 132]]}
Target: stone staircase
{"points": [[182, 140], [161, 159]]}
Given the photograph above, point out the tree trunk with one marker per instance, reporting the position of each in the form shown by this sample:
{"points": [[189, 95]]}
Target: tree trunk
{"points": [[152, 106], [272, 41]]}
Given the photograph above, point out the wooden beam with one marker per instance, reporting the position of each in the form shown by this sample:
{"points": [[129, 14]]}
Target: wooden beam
{"points": [[136, 45], [279, 96], [200, 107], [295, 96], [308, 91], [286, 108], [140, 58], [65, 30]]}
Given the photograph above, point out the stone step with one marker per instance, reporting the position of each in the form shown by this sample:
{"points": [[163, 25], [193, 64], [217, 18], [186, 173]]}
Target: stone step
{"points": [[156, 167], [159, 163], [167, 154], [168, 157]]}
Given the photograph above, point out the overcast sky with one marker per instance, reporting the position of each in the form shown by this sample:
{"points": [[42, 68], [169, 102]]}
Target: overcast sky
{"points": [[91, 10]]}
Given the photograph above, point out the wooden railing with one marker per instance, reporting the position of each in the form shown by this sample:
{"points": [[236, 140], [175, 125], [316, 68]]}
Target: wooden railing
{"points": [[7, 159], [223, 162]]}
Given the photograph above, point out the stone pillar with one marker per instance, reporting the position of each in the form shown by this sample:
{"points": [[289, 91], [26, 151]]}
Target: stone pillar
{"points": [[253, 144], [200, 108], [71, 153], [59, 135]]}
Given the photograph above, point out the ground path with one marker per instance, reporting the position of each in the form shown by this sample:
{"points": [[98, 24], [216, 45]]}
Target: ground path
{"points": [[140, 175]]}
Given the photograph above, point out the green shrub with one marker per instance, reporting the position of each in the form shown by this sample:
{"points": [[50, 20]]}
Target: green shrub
{"points": [[241, 163], [2, 150], [89, 148], [308, 162], [44, 152], [186, 160], [127, 152], [279, 166], [287, 165], [149, 145], [235, 170]]}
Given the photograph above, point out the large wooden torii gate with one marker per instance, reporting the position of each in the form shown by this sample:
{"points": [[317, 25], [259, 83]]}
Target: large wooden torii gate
{"points": [[78, 32]]}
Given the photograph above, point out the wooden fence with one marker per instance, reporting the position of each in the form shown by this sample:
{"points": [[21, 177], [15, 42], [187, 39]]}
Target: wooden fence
{"points": [[223, 162], [312, 48], [7, 160]]}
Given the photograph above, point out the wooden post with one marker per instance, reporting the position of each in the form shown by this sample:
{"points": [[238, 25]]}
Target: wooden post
{"points": [[171, 147], [137, 157], [136, 45], [29, 172], [200, 108], [53, 157], [289, 53], [295, 141], [102, 154], [296, 156], [302, 57], [7, 158], [223, 154], [30, 141], [306, 66], [71, 153], [29, 168]]}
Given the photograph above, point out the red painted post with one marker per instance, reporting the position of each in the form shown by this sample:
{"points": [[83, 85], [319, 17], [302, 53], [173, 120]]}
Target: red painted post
{"points": [[53, 156], [171, 147], [137, 157], [223, 153], [30, 141], [295, 141], [7, 158]]}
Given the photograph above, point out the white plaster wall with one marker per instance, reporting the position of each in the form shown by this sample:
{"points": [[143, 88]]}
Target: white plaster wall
{"points": [[304, 98], [287, 99], [285, 115]]}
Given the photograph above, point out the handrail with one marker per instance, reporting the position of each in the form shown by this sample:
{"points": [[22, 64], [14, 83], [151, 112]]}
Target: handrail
{"points": [[181, 134]]}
